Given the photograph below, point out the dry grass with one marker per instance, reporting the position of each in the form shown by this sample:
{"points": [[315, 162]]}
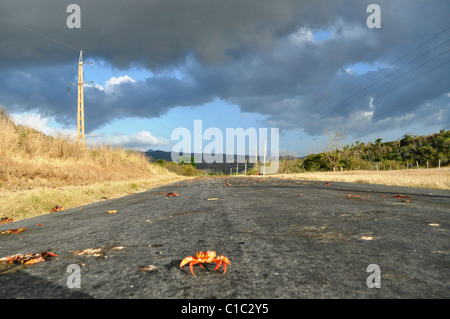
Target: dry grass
{"points": [[39, 201], [425, 178], [38, 172]]}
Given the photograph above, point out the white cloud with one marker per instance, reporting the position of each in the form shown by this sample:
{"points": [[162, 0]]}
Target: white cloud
{"points": [[41, 124], [139, 141], [113, 83], [301, 35]]}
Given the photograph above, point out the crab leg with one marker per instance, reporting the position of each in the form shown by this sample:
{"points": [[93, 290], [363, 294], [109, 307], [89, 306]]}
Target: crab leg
{"points": [[222, 260], [218, 263]]}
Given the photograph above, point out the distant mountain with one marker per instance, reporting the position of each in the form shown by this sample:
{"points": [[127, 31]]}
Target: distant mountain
{"points": [[156, 155], [167, 156], [214, 167]]}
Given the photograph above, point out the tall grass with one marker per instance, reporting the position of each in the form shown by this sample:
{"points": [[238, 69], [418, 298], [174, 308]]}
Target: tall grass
{"points": [[35, 169], [425, 178], [28, 157]]}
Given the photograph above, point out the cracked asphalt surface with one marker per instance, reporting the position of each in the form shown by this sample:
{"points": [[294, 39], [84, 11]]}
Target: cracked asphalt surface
{"points": [[285, 239]]}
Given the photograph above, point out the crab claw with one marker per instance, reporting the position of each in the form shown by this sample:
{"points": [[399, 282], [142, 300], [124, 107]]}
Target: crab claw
{"points": [[192, 261]]}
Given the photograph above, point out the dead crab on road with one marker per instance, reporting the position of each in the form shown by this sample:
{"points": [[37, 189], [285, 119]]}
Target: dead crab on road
{"points": [[28, 259]]}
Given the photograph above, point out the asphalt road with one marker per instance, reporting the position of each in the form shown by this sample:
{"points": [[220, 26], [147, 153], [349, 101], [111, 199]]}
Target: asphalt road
{"points": [[280, 244]]}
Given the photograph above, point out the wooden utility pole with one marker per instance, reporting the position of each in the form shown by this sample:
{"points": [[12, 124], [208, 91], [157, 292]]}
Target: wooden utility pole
{"points": [[265, 151], [80, 100]]}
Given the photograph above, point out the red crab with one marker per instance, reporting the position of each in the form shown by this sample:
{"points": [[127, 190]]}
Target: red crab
{"points": [[56, 208], [204, 258], [172, 194]]}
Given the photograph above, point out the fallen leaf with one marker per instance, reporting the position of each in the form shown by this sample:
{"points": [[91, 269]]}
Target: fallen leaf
{"points": [[156, 194], [147, 268], [434, 224], [327, 184], [357, 196], [112, 211], [89, 251]]}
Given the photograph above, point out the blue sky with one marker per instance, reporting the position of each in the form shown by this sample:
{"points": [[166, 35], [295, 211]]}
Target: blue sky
{"points": [[302, 67]]}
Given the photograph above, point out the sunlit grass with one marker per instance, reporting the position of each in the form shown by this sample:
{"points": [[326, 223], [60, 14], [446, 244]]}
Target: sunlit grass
{"points": [[38, 172], [425, 178]]}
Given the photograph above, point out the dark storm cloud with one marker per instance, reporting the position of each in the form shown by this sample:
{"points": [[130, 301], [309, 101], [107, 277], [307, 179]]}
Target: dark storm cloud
{"points": [[259, 55], [154, 33]]}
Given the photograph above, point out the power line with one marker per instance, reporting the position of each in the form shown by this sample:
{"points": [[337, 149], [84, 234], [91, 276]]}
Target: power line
{"points": [[398, 77], [40, 34], [86, 55], [392, 64], [397, 70], [415, 78], [322, 109]]}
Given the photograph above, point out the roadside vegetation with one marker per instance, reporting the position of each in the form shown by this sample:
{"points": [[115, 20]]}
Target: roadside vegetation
{"points": [[423, 178], [414, 161], [38, 172], [186, 167], [409, 152]]}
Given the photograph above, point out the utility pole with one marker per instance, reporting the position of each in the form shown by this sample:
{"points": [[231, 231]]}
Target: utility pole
{"points": [[265, 151], [80, 102]]}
